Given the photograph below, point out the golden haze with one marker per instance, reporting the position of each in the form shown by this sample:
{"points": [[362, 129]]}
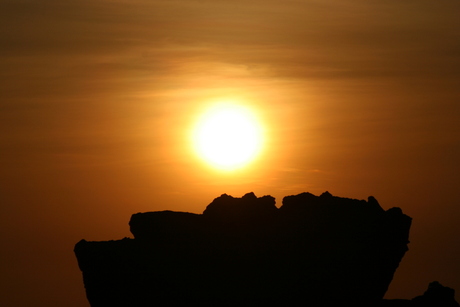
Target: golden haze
{"points": [[99, 99]]}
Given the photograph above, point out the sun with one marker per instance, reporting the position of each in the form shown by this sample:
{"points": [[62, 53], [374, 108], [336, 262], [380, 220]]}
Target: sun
{"points": [[228, 136]]}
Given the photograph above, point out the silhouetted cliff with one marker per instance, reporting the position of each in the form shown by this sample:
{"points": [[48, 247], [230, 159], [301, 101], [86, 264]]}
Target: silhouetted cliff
{"points": [[312, 251]]}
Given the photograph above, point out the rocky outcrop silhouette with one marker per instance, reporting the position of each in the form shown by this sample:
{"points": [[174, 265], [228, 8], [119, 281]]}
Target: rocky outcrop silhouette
{"points": [[435, 296], [312, 251]]}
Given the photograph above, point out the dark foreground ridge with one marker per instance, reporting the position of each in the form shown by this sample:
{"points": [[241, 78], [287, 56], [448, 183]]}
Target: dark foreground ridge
{"points": [[313, 251]]}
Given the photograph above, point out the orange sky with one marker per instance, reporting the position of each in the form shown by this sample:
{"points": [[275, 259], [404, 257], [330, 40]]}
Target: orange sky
{"points": [[98, 98]]}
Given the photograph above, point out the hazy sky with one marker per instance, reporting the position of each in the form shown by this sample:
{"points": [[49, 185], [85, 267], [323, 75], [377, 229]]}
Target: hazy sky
{"points": [[98, 98]]}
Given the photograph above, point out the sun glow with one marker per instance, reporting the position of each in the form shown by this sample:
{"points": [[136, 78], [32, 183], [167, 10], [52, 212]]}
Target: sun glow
{"points": [[228, 136]]}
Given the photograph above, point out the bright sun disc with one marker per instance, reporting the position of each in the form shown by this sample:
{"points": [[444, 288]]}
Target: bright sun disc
{"points": [[228, 136]]}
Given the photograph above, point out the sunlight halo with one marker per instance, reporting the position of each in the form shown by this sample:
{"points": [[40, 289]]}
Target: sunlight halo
{"points": [[228, 136]]}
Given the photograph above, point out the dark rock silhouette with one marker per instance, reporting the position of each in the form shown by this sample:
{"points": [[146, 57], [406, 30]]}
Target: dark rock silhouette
{"points": [[435, 296], [313, 251]]}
